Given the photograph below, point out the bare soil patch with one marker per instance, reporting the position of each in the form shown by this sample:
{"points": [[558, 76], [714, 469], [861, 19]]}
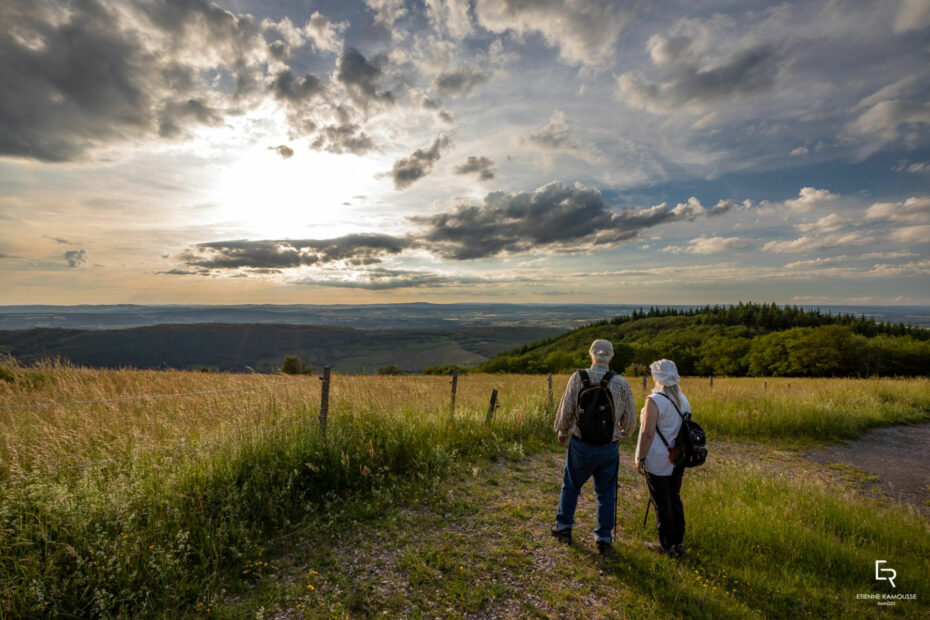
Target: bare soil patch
{"points": [[896, 455]]}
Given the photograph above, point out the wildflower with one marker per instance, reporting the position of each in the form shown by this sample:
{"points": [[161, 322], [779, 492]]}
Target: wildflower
{"points": [[313, 572], [151, 547], [310, 587]]}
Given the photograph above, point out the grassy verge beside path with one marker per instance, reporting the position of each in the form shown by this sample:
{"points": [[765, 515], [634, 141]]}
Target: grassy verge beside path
{"points": [[768, 537]]}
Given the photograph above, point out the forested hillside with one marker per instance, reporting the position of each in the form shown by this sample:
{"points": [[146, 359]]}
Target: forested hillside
{"points": [[745, 339]]}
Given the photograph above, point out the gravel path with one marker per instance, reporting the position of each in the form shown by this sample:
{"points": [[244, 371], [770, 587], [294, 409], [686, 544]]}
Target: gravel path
{"points": [[897, 455]]}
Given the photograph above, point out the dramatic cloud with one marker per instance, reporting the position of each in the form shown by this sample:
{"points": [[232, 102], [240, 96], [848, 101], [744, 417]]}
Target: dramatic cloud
{"points": [[345, 138], [360, 77], [913, 210], [295, 90], [283, 150], [482, 166], [60, 99], [460, 81], [419, 164], [694, 77], [359, 249], [555, 217], [810, 198], [75, 258], [585, 31], [176, 115]]}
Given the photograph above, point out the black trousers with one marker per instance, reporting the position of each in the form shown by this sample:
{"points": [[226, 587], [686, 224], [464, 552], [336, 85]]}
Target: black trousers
{"points": [[670, 514]]}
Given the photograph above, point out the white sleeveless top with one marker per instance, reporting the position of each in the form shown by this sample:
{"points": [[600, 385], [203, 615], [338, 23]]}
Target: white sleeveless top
{"points": [[669, 422]]}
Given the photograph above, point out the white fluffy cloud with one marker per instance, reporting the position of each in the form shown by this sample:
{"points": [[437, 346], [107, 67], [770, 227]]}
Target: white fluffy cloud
{"points": [[914, 210], [810, 198], [709, 245]]}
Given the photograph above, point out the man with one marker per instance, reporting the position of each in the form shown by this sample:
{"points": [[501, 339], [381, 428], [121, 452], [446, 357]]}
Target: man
{"points": [[593, 399]]}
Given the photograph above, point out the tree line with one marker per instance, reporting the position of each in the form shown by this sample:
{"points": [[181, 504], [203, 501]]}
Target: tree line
{"points": [[742, 340]]}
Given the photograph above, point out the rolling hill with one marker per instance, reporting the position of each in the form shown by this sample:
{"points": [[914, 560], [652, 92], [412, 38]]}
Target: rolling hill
{"points": [[262, 347]]}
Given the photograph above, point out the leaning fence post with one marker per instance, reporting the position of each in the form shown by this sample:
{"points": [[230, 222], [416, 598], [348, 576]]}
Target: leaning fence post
{"points": [[455, 383], [491, 407], [324, 399], [550, 401]]}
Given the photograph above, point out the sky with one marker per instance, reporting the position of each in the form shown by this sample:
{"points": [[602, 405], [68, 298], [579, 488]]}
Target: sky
{"points": [[558, 151]]}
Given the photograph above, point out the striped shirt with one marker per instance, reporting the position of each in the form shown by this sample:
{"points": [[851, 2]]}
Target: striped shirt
{"points": [[624, 415]]}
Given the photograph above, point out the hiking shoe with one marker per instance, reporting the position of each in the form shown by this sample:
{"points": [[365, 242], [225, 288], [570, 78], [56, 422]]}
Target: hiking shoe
{"points": [[679, 550], [604, 547], [658, 548], [564, 535]]}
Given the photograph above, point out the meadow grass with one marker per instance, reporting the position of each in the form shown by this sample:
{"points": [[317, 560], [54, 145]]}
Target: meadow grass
{"points": [[193, 488]]}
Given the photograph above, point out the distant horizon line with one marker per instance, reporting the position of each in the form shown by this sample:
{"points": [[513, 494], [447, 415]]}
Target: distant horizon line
{"points": [[470, 303]]}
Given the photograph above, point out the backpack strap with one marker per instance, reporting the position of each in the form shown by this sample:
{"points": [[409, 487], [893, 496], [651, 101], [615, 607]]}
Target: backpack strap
{"points": [[585, 379], [607, 377], [661, 436]]}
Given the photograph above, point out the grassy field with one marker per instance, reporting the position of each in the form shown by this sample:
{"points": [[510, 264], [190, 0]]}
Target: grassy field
{"points": [[149, 506]]}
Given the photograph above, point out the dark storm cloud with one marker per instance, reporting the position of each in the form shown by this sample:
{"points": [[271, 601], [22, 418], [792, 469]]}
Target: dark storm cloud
{"points": [[419, 164], [75, 258], [460, 81], [93, 73], [295, 90], [360, 77], [483, 166], [283, 150], [178, 114], [691, 80], [359, 249], [344, 138], [554, 217]]}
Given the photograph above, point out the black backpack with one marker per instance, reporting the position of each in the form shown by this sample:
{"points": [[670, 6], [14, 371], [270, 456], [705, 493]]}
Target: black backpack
{"points": [[690, 449], [596, 410]]}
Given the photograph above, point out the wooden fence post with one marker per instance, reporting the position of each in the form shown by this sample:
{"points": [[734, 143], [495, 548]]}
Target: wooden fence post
{"points": [[765, 386], [324, 399], [455, 383], [644, 386], [550, 401], [491, 407], [711, 382]]}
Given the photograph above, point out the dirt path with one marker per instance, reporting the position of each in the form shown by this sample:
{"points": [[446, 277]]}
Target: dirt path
{"points": [[476, 545], [896, 456]]}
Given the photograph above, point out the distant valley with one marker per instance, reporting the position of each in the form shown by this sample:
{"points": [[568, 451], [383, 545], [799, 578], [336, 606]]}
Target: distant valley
{"points": [[262, 347]]}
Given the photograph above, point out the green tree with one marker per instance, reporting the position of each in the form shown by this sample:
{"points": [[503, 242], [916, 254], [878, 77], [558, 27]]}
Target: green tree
{"points": [[293, 366], [389, 369]]}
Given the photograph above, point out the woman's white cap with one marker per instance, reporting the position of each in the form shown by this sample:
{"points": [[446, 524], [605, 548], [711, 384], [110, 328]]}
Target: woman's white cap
{"points": [[601, 350], [664, 372]]}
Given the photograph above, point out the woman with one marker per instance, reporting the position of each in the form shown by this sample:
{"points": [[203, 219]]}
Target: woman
{"points": [[663, 477]]}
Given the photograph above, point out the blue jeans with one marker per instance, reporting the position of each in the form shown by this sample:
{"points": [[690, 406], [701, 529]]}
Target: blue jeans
{"points": [[583, 461]]}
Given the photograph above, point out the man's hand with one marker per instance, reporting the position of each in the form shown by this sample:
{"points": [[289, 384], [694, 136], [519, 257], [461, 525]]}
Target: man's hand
{"points": [[562, 439], [641, 467]]}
